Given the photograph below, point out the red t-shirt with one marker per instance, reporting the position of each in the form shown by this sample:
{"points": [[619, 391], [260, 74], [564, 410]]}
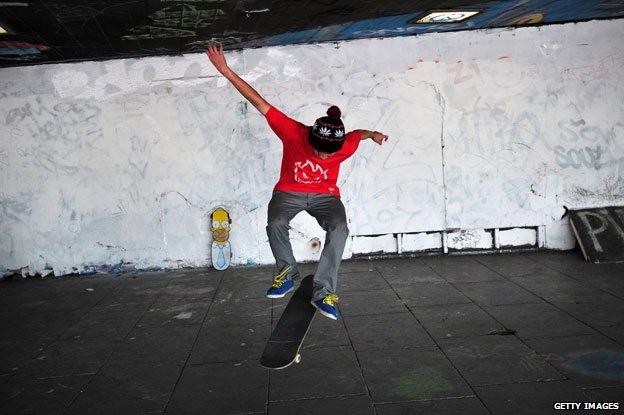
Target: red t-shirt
{"points": [[302, 170]]}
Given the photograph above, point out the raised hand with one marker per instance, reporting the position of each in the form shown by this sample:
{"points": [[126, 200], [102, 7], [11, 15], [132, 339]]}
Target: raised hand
{"points": [[216, 56], [379, 138]]}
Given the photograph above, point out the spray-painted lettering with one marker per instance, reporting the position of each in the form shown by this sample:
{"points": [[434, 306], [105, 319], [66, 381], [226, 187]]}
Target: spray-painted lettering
{"points": [[577, 158]]}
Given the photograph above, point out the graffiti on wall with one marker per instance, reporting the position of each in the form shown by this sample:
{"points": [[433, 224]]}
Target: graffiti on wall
{"points": [[177, 21], [21, 51], [493, 14], [98, 29]]}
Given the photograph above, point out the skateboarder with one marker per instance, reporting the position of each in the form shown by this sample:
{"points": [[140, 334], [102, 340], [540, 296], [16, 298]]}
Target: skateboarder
{"points": [[310, 164]]}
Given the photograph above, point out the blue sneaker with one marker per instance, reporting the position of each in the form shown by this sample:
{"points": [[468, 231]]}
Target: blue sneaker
{"points": [[282, 285], [327, 306]]}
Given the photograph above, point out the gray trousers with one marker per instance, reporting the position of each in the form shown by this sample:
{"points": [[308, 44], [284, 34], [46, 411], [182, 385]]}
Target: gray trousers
{"points": [[329, 212]]}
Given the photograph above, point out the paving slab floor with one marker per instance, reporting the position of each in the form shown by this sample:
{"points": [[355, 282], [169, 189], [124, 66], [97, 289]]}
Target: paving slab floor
{"points": [[471, 334]]}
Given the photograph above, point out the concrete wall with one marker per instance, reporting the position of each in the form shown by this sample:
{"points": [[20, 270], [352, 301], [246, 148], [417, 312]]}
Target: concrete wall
{"points": [[119, 162]]}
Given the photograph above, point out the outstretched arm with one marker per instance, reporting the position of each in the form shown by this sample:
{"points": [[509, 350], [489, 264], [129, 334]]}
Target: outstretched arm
{"points": [[377, 137], [216, 56]]}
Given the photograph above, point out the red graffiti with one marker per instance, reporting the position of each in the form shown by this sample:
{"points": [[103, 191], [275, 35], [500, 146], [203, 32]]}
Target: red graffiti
{"points": [[587, 74], [14, 44], [459, 70]]}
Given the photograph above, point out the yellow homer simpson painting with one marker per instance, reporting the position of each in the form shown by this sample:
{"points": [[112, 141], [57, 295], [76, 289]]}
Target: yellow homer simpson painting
{"points": [[220, 228]]}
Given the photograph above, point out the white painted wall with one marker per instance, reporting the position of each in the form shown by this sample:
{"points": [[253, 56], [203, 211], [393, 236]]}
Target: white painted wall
{"points": [[120, 161]]}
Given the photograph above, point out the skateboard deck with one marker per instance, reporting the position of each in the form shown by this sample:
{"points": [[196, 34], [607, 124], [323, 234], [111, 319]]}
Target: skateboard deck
{"points": [[282, 348], [221, 248]]}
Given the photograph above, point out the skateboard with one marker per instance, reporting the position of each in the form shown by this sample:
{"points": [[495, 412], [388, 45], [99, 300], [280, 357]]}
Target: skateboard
{"points": [[221, 248], [282, 348]]}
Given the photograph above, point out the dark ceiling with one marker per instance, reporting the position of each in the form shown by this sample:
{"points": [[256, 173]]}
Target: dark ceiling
{"points": [[63, 30]]}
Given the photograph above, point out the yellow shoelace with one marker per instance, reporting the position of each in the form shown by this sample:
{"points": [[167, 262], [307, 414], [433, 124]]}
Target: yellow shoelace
{"points": [[330, 299], [280, 278]]}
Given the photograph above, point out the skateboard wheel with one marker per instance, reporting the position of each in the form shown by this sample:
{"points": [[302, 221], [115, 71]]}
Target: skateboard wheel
{"points": [[298, 358]]}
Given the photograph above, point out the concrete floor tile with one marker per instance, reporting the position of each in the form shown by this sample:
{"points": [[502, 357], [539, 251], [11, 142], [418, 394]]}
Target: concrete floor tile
{"points": [[460, 276], [454, 406], [538, 320], [42, 396], [361, 281], [39, 324], [489, 360], [325, 332], [162, 344], [427, 294], [590, 361], [243, 341], [610, 282], [132, 295], [184, 293], [190, 312], [330, 371], [529, 398], [195, 276], [403, 268], [496, 293], [14, 355], [386, 331], [113, 321], [467, 269], [396, 266], [615, 333], [220, 388], [456, 320], [240, 290], [236, 309], [127, 389], [344, 405], [572, 262], [606, 394], [398, 273], [451, 260], [77, 299], [411, 374], [554, 285], [143, 280], [31, 295], [596, 310], [370, 302], [71, 357], [357, 265], [514, 265]]}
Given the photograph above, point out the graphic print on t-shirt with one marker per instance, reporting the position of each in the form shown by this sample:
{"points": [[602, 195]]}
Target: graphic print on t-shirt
{"points": [[298, 171], [309, 172]]}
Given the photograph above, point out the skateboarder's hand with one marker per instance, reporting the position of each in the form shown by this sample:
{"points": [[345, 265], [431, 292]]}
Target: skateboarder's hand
{"points": [[216, 56], [379, 138]]}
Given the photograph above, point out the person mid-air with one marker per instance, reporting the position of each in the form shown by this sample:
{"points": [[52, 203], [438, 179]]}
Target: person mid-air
{"points": [[309, 171]]}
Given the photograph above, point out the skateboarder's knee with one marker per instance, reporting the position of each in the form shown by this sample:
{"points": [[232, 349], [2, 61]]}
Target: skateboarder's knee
{"points": [[343, 228], [337, 226]]}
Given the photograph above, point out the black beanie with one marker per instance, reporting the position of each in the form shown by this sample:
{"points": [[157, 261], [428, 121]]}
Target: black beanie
{"points": [[328, 133]]}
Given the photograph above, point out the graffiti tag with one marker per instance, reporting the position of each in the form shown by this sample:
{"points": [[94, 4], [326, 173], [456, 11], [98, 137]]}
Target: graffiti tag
{"points": [[578, 157]]}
